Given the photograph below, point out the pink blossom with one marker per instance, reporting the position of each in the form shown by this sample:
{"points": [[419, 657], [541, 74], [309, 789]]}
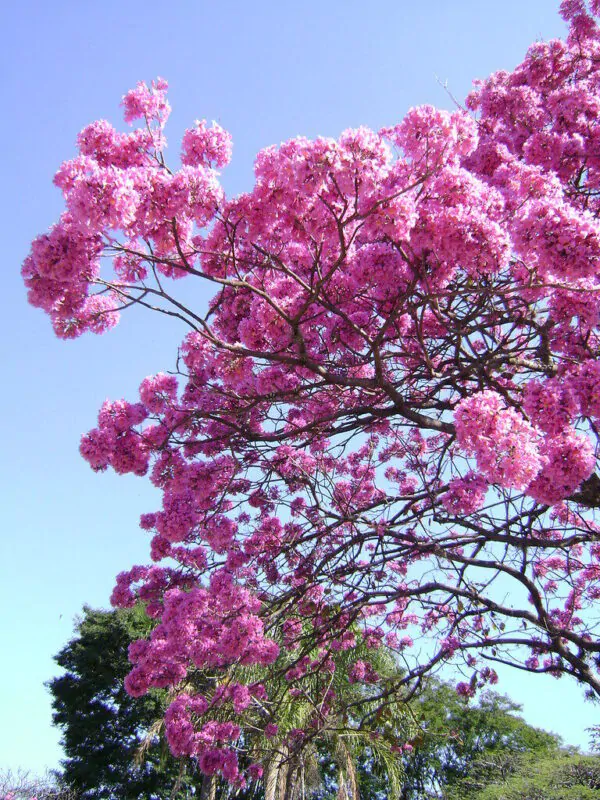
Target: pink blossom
{"points": [[465, 495], [569, 459], [148, 103], [271, 730], [504, 444], [465, 689], [202, 146]]}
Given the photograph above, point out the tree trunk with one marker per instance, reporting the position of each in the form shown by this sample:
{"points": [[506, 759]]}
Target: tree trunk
{"points": [[208, 790], [276, 775], [290, 783]]}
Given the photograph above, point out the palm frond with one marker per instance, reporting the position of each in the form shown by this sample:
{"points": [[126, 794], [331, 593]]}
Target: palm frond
{"points": [[153, 732], [347, 777]]}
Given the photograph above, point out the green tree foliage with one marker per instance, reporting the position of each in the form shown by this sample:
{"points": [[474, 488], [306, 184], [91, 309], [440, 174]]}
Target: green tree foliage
{"points": [[114, 743], [111, 740], [456, 735], [356, 748], [115, 749], [527, 776], [594, 733]]}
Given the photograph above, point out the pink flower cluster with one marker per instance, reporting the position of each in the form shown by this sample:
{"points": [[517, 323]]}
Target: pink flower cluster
{"points": [[149, 104], [504, 444], [119, 183], [465, 495], [569, 459], [549, 464], [362, 671], [210, 627], [203, 147], [115, 442]]}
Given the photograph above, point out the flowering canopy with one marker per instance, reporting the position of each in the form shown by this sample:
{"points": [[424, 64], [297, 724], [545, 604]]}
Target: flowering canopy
{"points": [[385, 426]]}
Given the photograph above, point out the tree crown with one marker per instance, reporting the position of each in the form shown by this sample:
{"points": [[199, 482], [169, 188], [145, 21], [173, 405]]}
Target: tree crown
{"points": [[387, 419]]}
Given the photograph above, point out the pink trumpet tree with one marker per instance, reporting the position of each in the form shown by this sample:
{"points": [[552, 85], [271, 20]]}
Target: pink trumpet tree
{"points": [[385, 426]]}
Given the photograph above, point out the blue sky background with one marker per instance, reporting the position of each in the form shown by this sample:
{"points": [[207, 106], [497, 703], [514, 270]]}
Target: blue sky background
{"points": [[266, 71]]}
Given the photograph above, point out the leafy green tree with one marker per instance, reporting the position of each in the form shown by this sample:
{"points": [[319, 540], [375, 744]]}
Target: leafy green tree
{"points": [[456, 734], [531, 776], [112, 741], [114, 747], [339, 752], [594, 733], [24, 785]]}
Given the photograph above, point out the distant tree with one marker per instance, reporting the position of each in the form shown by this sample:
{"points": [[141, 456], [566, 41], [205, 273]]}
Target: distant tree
{"points": [[111, 739], [24, 785], [457, 735], [594, 733], [513, 776]]}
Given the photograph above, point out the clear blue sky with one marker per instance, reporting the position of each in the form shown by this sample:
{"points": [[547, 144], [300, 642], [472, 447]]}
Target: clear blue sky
{"points": [[266, 71]]}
